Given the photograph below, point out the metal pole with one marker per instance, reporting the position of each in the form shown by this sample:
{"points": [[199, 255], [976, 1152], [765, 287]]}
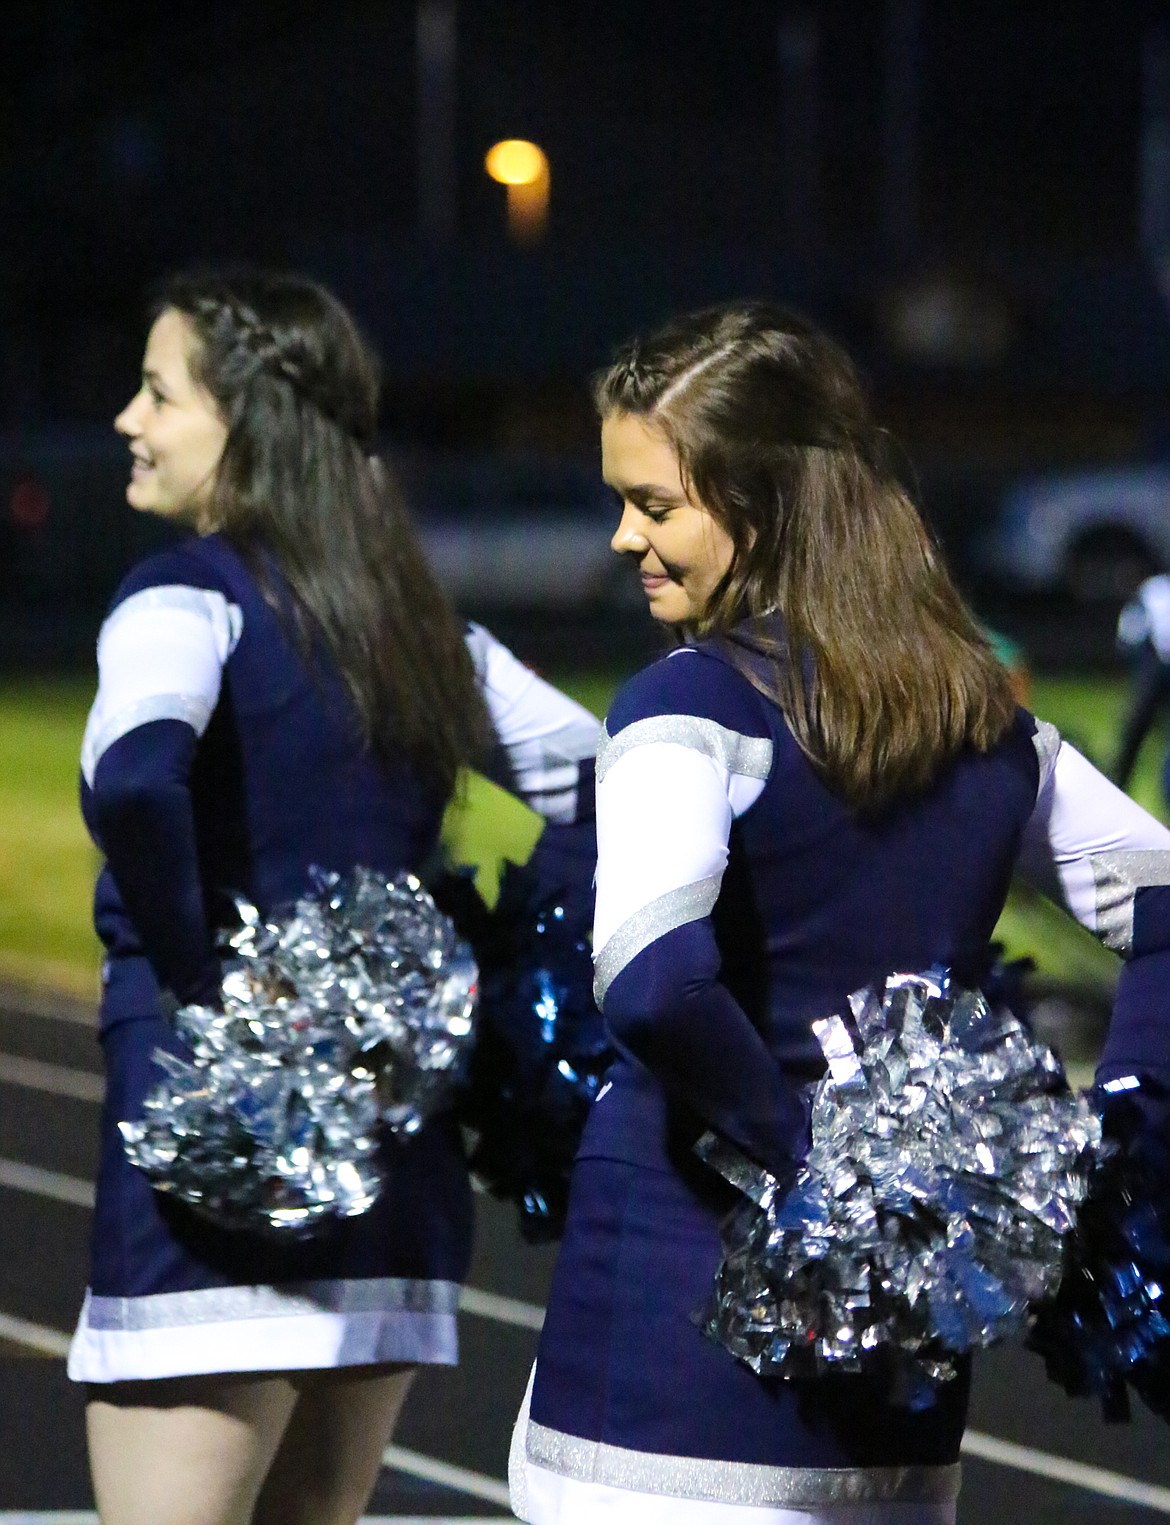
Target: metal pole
{"points": [[435, 36]]}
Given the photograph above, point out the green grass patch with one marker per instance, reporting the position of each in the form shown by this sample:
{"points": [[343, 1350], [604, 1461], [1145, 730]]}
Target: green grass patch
{"points": [[47, 863]]}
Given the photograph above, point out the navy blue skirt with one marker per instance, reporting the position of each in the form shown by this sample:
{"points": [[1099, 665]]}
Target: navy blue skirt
{"points": [[171, 1294], [626, 1380]]}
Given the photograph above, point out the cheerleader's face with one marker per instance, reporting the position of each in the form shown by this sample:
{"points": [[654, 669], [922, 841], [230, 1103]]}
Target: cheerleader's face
{"points": [[174, 429], [681, 550]]}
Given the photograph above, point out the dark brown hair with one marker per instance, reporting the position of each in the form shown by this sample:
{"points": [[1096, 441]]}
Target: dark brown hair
{"points": [[297, 386], [882, 673]]}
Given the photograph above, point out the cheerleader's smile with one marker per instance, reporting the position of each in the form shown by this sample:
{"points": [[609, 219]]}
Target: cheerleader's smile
{"points": [[681, 549]]}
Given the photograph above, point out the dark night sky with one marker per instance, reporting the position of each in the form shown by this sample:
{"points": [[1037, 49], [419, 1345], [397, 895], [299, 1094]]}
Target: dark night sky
{"points": [[663, 120]]}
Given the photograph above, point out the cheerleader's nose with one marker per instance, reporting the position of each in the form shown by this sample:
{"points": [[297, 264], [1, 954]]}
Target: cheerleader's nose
{"points": [[629, 536]]}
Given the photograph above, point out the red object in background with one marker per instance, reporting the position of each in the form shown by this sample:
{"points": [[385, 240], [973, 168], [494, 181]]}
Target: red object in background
{"points": [[28, 507]]}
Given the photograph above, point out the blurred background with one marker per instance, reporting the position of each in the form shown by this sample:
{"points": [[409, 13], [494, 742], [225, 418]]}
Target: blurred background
{"points": [[973, 198]]}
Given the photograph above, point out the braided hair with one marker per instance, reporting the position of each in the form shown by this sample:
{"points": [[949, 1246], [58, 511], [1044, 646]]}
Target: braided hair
{"points": [[298, 388]]}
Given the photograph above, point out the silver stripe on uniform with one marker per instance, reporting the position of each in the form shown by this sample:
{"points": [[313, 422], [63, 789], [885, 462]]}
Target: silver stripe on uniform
{"points": [[749, 756], [191, 709], [1118, 877], [212, 1305], [728, 1482], [200, 601], [689, 902], [1047, 743]]}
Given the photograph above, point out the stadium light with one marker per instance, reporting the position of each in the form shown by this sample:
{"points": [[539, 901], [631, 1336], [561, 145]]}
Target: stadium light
{"points": [[522, 169]]}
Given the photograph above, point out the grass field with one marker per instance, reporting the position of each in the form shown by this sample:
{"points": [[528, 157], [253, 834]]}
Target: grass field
{"points": [[47, 863]]}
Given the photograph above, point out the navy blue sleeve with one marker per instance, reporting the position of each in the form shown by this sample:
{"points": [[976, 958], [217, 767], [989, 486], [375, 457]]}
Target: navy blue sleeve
{"points": [[140, 805], [160, 655], [669, 1008]]}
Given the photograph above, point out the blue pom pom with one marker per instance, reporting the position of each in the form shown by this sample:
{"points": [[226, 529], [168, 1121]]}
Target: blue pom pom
{"points": [[1106, 1330], [541, 1046]]}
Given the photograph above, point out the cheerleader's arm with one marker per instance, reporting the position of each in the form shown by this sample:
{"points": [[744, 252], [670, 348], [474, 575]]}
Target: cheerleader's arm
{"points": [[1146, 695], [547, 741], [1107, 861], [160, 660], [669, 786]]}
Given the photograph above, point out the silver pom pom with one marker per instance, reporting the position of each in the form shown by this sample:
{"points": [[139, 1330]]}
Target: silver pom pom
{"points": [[352, 1012], [947, 1162]]}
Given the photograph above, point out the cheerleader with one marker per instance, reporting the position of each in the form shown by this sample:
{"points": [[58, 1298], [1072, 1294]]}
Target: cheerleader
{"points": [[286, 688], [1143, 637], [829, 782]]}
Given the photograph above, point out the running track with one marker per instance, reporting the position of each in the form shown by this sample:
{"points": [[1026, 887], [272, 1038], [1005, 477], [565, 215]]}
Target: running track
{"points": [[1031, 1455]]}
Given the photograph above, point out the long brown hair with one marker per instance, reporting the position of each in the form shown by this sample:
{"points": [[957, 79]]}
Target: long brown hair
{"points": [[298, 386], [881, 671]]}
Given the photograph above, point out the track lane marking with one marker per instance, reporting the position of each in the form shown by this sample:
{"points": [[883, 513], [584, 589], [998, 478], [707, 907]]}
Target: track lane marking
{"points": [[502, 1310], [55, 1079], [1062, 1469], [22, 1331], [475, 1484], [46, 1183], [17, 1000]]}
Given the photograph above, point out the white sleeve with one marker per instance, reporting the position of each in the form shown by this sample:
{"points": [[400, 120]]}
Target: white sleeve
{"points": [[545, 735], [665, 805], [161, 654], [1091, 848], [1147, 617]]}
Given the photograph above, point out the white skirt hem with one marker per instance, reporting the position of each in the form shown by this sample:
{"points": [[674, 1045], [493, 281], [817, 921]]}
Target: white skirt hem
{"points": [[297, 1341]]}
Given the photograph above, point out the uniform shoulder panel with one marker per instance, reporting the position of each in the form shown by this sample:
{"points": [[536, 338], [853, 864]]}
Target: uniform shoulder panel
{"points": [[690, 682], [187, 564]]}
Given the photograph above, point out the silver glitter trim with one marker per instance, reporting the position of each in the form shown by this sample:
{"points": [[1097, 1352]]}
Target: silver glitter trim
{"points": [[195, 712], [1118, 877], [748, 756], [215, 1305], [1047, 743], [736, 1482], [689, 902], [517, 1454], [205, 602]]}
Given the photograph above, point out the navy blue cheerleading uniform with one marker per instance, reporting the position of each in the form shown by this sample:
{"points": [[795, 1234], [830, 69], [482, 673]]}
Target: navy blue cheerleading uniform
{"points": [[739, 899], [219, 761]]}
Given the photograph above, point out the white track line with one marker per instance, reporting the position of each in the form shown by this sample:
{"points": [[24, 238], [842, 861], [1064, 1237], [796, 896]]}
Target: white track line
{"points": [[46, 1183], [503, 1310], [56, 1079], [49, 1342], [1062, 1470], [28, 1001], [460, 1478]]}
